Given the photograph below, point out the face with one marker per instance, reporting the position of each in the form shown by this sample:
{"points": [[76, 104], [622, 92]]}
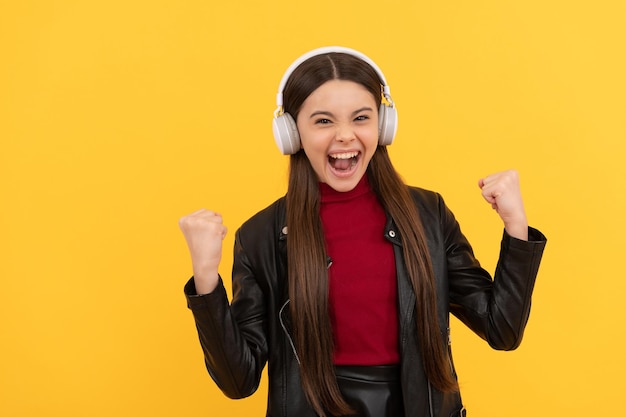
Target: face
{"points": [[338, 126]]}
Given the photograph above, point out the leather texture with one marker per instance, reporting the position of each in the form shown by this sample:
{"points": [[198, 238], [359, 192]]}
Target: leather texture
{"points": [[239, 339], [373, 391]]}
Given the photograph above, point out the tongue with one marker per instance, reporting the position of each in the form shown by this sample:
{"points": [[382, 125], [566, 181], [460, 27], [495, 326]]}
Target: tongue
{"points": [[342, 164]]}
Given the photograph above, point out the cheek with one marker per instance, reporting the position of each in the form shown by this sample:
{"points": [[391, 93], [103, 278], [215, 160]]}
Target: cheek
{"points": [[315, 150], [314, 141], [372, 137]]}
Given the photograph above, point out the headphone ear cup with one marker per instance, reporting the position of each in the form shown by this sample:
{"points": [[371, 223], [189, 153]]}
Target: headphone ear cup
{"points": [[286, 134], [387, 124]]}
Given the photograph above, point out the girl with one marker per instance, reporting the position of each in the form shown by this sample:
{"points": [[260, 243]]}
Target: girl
{"points": [[345, 285]]}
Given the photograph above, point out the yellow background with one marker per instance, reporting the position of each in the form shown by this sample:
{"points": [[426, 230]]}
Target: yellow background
{"points": [[118, 117]]}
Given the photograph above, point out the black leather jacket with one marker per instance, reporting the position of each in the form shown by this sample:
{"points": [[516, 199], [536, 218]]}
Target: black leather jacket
{"points": [[238, 339]]}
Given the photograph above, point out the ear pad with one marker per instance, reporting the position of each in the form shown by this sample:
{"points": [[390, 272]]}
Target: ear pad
{"points": [[387, 124], [286, 134]]}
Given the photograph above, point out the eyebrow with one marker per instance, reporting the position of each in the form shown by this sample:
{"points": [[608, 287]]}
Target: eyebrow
{"points": [[327, 113]]}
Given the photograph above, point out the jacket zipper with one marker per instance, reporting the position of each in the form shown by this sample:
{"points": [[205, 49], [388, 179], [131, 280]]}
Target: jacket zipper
{"points": [[282, 324], [430, 400]]}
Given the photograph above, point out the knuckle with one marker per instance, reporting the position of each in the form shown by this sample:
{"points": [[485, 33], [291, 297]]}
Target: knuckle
{"points": [[183, 221]]}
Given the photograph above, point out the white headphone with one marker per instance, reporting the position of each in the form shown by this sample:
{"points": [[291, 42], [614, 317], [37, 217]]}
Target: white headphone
{"points": [[284, 126]]}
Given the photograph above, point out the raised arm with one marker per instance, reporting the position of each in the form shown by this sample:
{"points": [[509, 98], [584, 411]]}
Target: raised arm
{"points": [[498, 309]]}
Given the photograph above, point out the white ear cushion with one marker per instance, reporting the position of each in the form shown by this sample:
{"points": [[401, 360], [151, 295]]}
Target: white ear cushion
{"points": [[286, 134], [387, 124]]}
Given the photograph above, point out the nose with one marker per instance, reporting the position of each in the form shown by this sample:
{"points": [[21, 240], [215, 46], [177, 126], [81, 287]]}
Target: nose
{"points": [[345, 133]]}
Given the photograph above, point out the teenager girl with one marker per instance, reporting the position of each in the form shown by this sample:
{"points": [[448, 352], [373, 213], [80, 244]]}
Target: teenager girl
{"points": [[344, 286]]}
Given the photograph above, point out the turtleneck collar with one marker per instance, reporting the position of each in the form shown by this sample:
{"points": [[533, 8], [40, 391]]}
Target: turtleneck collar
{"points": [[330, 195]]}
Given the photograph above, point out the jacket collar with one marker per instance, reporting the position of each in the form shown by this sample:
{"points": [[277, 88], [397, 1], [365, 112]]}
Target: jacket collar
{"points": [[390, 232]]}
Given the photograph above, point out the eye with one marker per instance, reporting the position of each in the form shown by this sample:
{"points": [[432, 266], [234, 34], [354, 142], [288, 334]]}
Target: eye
{"points": [[362, 118], [322, 121]]}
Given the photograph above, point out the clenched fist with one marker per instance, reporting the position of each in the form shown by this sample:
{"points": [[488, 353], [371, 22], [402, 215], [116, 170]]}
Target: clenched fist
{"points": [[204, 232], [502, 191]]}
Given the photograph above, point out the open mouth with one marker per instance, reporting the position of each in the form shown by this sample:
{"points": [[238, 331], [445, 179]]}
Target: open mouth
{"points": [[343, 162]]}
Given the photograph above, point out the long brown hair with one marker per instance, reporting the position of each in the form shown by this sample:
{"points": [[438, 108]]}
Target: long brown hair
{"points": [[308, 278]]}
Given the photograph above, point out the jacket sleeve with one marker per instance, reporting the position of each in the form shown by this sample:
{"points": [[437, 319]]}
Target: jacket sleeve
{"points": [[232, 336], [496, 309]]}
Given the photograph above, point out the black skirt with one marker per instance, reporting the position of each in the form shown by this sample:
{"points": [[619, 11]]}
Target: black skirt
{"points": [[373, 391]]}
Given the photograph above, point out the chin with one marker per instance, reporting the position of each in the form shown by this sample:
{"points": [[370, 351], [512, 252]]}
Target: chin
{"points": [[343, 186]]}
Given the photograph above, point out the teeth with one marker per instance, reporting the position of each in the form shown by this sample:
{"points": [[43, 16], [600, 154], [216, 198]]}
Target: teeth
{"points": [[345, 155]]}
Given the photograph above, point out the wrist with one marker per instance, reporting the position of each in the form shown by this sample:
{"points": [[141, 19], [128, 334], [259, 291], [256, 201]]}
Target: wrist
{"points": [[206, 284], [518, 230]]}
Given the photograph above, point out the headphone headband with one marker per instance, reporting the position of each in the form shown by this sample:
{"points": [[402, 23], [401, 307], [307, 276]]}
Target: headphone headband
{"points": [[327, 50]]}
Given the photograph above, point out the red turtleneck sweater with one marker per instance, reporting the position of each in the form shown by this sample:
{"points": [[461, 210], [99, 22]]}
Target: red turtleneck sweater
{"points": [[362, 277]]}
